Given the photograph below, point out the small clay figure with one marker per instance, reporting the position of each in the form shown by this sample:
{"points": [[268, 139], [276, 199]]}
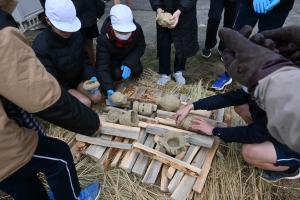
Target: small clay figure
{"points": [[169, 103], [174, 143], [119, 99], [129, 118], [164, 19], [113, 116], [146, 109]]}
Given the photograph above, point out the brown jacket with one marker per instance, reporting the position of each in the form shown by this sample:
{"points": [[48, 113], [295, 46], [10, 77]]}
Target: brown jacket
{"points": [[26, 83], [278, 94]]}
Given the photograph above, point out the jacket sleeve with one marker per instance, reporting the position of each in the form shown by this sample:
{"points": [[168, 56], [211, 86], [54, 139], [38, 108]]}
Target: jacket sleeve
{"points": [[187, 5], [155, 4], [133, 58], [256, 132], [25, 82], [88, 68], [103, 70], [232, 98]]}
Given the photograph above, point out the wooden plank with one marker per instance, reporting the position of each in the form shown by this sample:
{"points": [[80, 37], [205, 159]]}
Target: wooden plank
{"points": [[188, 158], [139, 93], [141, 163], [95, 151], [164, 181], [153, 169], [118, 155], [192, 138], [131, 156], [168, 160], [199, 185], [167, 114], [172, 170], [185, 186], [102, 142], [120, 130]]}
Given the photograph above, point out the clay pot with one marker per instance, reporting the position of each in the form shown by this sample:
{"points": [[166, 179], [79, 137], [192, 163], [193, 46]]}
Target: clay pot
{"points": [[186, 123], [129, 118], [113, 116], [118, 98], [169, 103], [164, 19], [90, 85], [146, 109], [174, 143]]}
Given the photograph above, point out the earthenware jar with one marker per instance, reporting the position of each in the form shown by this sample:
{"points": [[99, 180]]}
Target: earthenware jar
{"points": [[129, 118], [169, 103]]}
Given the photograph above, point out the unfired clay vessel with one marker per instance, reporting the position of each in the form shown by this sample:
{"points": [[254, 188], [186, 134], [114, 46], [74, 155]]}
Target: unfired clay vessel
{"points": [[90, 85], [129, 118], [186, 123], [113, 116], [174, 143], [169, 103], [118, 98], [146, 109], [164, 19]]}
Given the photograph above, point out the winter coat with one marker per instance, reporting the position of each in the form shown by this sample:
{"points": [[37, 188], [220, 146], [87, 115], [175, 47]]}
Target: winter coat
{"points": [[65, 59], [108, 51], [25, 83], [185, 34]]}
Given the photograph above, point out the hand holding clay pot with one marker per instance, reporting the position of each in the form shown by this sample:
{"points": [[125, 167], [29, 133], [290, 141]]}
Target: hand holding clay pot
{"points": [[182, 113], [164, 19], [92, 85], [119, 99], [169, 103], [200, 124]]}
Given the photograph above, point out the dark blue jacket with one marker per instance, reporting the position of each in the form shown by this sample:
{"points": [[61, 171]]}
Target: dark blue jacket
{"points": [[255, 132], [65, 59]]}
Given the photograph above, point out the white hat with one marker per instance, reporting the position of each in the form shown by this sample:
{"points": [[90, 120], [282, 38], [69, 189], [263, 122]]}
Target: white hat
{"points": [[62, 14], [122, 19]]}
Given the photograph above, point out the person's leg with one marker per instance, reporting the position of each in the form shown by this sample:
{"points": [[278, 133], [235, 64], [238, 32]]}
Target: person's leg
{"points": [[95, 98], [24, 187], [82, 98], [262, 156], [164, 51], [244, 113], [179, 67], [272, 20]]}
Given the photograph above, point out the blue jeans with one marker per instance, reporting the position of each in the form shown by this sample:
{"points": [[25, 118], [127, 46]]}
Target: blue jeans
{"points": [[270, 20]]}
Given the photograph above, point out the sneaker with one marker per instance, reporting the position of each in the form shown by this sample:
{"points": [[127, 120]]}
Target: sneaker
{"points": [[51, 195], [220, 54], [90, 192], [180, 80], [271, 176], [223, 80], [164, 79], [206, 53]]}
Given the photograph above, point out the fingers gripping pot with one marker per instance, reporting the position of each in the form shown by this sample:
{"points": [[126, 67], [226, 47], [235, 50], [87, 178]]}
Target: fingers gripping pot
{"points": [[91, 86], [169, 103], [186, 123], [164, 19], [174, 143], [129, 118], [146, 109]]}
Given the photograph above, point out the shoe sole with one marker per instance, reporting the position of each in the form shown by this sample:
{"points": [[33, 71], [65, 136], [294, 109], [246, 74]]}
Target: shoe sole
{"points": [[288, 178], [204, 56], [99, 193], [218, 89]]}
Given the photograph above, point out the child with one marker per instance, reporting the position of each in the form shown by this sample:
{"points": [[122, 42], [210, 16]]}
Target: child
{"points": [[259, 147], [60, 48], [183, 32], [120, 46]]}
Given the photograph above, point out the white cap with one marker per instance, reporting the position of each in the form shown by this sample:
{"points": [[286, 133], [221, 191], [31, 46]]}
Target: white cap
{"points": [[62, 14], [122, 19]]}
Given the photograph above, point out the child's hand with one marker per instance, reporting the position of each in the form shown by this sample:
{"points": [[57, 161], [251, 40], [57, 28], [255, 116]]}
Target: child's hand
{"points": [[199, 124], [126, 71], [175, 19], [109, 92], [182, 113]]}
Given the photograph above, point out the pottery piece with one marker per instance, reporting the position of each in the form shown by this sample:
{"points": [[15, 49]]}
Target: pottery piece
{"points": [[113, 116], [186, 123], [118, 98], [146, 109], [129, 118], [169, 103], [174, 143], [164, 19], [91, 85]]}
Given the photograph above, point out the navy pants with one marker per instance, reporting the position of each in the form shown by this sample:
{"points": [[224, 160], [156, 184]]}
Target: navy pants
{"points": [[53, 158], [270, 20], [164, 53], [230, 8]]}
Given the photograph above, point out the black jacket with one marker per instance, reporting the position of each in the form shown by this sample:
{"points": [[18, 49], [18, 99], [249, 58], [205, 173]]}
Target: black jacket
{"points": [[67, 112], [185, 34], [107, 51], [65, 59], [255, 132], [284, 5]]}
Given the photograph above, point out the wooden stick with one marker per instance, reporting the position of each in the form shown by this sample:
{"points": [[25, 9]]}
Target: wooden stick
{"points": [[166, 114], [101, 142], [198, 186], [118, 156], [120, 130], [95, 151], [107, 158], [131, 156], [168, 160], [164, 179], [172, 170], [188, 158]]}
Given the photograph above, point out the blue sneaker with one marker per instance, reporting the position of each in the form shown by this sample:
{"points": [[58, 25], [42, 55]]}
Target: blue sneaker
{"points": [[223, 80], [51, 195], [90, 192]]}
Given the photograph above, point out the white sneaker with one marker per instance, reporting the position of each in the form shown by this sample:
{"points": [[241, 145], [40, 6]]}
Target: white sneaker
{"points": [[180, 80], [164, 79]]}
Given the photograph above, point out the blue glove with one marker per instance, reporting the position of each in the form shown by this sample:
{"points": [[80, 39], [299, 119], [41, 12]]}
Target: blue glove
{"points": [[126, 71], [260, 6], [110, 92], [272, 4]]}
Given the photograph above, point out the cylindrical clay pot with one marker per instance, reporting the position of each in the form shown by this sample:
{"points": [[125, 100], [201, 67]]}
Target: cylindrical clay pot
{"points": [[174, 143], [130, 118], [146, 109], [169, 103], [187, 122], [118, 98], [113, 116]]}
